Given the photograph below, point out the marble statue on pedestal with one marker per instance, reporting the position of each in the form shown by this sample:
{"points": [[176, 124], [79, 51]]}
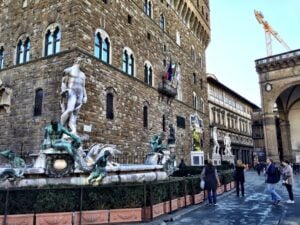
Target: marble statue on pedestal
{"points": [[73, 95], [216, 146], [197, 131], [227, 144], [5, 97]]}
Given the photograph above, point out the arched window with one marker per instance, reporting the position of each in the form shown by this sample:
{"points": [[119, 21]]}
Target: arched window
{"points": [[145, 116], [125, 62], [23, 51], [194, 100], [98, 46], [149, 12], [27, 50], [130, 65], [110, 106], [105, 53], [38, 102], [52, 41], [148, 73], [194, 78], [20, 52], [148, 8], [193, 53], [162, 22], [128, 62], [200, 60], [1, 58], [102, 46], [201, 105]]}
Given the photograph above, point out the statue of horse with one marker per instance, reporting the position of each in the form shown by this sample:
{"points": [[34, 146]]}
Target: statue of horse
{"points": [[17, 164]]}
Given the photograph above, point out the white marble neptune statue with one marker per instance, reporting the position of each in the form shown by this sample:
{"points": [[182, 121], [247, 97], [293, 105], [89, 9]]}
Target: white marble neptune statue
{"points": [[73, 95]]}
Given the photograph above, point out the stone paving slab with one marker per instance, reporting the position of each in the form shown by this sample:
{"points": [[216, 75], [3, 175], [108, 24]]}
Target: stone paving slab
{"points": [[255, 208]]}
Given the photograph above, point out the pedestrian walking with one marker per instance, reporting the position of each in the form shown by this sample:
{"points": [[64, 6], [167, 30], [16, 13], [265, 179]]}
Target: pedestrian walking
{"points": [[288, 180], [271, 180], [210, 175], [258, 168], [239, 178]]}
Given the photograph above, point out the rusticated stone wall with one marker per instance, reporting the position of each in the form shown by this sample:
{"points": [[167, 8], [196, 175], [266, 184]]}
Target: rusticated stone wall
{"points": [[22, 132]]}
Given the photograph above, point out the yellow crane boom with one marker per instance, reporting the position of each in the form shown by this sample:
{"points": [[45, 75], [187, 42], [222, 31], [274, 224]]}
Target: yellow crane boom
{"points": [[268, 32]]}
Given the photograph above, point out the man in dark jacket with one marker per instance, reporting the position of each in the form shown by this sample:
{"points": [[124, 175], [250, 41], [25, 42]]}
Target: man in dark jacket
{"points": [[271, 181]]}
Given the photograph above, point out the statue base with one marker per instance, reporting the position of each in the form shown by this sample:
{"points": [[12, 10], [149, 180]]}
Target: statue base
{"points": [[216, 159], [228, 158], [197, 158]]}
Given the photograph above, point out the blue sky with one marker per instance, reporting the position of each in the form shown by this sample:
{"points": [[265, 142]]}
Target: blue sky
{"points": [[237, 39]]}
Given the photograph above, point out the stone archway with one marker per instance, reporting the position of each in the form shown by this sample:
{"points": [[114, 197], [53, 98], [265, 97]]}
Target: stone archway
{"points": [[279, 78]]}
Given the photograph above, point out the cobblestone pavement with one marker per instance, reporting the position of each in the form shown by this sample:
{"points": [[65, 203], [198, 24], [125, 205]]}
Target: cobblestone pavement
{"points": [[255, 208]]}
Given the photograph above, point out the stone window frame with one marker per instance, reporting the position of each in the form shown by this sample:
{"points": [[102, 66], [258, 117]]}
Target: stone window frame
{"points": [[110, 91], [149, 77], [51, 30], [126, 55], [103, 36], [38, 102], [162, 22], [1, 57], [23, 50]]}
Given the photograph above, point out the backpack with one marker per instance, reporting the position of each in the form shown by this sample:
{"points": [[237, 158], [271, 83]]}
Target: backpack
{"points": [[277, 174]]}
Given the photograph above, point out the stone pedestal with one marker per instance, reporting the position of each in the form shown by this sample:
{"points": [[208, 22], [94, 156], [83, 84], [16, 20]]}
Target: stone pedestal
{"points": [[216, 159], [297, 158], [197, 158], [228, 158]]}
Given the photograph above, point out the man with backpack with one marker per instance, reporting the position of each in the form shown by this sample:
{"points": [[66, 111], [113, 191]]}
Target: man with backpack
{"points": [[272, 178]]}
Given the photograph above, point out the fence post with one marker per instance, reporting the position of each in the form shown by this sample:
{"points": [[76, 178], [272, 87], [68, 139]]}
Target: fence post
{"points": [[170, 196], [81, 197], [185, 192], [151, 201], [193, 190], [6, 207], [145, 201]]}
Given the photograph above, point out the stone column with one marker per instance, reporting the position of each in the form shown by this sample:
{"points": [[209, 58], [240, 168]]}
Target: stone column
{"points": [[286, 139], [271, 136]]}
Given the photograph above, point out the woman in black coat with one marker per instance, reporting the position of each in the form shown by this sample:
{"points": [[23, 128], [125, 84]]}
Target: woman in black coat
{"points": [[211, 178], [239, 177]]}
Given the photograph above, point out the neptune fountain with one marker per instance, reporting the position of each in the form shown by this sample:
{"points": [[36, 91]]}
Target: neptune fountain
{"points": [[62, 158]]}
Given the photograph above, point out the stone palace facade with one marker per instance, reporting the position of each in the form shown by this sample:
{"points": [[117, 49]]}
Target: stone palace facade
{"points": [[127, 47]]}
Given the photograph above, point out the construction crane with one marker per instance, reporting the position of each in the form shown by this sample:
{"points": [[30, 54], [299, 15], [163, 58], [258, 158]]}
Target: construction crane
{"points": [[268, 32]]}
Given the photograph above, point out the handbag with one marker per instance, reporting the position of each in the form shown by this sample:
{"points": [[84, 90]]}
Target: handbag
{"points": [[202, 184]]}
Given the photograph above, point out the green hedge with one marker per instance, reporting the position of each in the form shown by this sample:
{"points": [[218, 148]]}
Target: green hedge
{"points": [[63, 198]]}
